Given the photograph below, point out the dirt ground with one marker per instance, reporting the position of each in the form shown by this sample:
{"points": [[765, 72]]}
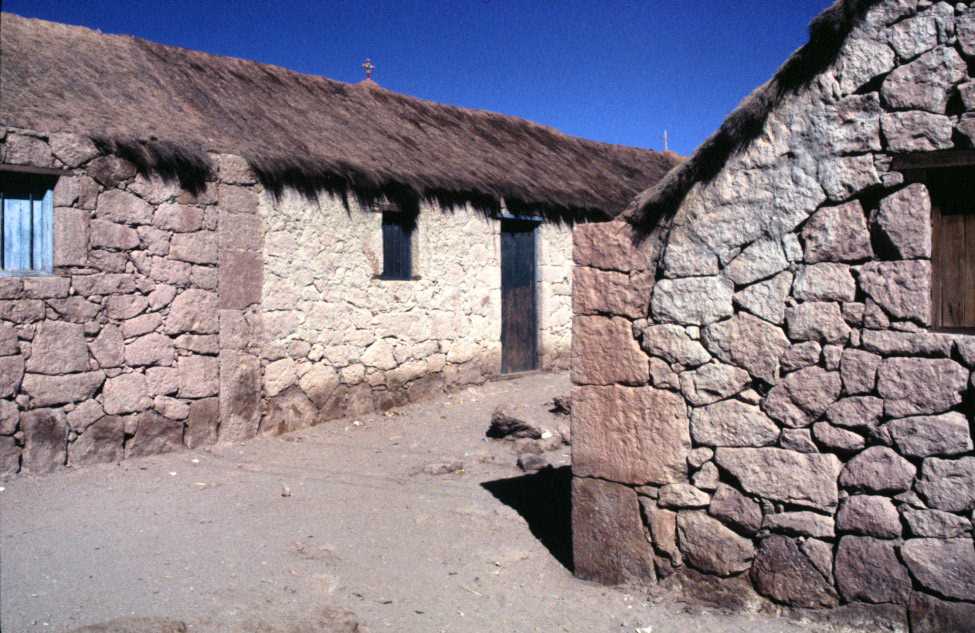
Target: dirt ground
{"points": [[336, 528]]}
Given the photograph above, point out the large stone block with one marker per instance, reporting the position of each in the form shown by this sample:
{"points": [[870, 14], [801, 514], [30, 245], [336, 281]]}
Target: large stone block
{"points": [[11, 375], [732, 423], [126, 393], [58, 348], [916, 131], [904, 221], [72, 149], [927, 82], [151, 349], [785, 572], [857, 412], [735, 509], [612, 246], [860, 60], [837, 234], [766, 300], [154, 434], [843, 177], [203, 423], [597, 291], [193, 311], [948, 484], [45, 440], [197, 248], [630, 435], [102, 442], [935, 523], [919, 386], [240, 395], [748, 342], [712, 382], [825, 282], [123, 207], [869, 515], [807, 480], [178, 218], [608, 540], [923, 436], [289, 411], [108, 347], [604, 352], [902, 288], [673, 344], [867, 569], [944, 566], [104, 284], [692, 300], [878, 469], [236, 199], [54, 390], [9, 456], [105, 234], [710, 546], [199, 376], [760, 260], [70, 237], [817, 321], [241, 278], [930, 615], [803, 396]]}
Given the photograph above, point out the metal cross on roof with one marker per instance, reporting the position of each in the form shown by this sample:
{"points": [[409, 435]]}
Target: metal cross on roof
{"points": [[368, 66]]}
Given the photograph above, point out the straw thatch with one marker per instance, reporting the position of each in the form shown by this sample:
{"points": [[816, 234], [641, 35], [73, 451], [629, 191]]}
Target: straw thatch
{"points": [[827, 34], [304, 131]]}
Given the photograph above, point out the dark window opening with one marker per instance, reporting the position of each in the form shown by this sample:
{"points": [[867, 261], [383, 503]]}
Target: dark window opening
{"points": [[26, 223], [953, 247], [398, 230]]}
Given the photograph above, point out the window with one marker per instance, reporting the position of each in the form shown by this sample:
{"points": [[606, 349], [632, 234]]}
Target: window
{"points": [[26, 223], [953, 247], [398, 227]]}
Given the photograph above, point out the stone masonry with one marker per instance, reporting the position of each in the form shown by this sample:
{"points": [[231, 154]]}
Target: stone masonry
{"points": [[178, 320], [772, 410]]}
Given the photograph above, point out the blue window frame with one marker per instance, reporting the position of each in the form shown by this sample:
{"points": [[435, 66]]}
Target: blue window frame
{"points": [[26, 224]]}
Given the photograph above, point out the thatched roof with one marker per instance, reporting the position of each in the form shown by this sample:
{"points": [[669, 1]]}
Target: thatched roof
{"points": [[301, 130], [827, 34]]}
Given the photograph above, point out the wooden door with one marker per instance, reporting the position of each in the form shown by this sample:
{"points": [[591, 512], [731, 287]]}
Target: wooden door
{"points": [[519, 300]]}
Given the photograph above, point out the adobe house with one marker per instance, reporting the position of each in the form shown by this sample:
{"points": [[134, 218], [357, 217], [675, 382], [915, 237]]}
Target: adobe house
{"points": [[200, 248], [772, 347]]}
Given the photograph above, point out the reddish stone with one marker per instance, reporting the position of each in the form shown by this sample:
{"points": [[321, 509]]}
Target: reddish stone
{"points": [[604, 352], [597, 291], [867, 569], [241, 278], [102, 442], [785, 573], [45, 440]]}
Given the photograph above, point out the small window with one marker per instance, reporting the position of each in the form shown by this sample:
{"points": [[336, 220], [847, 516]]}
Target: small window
{"points": [[26, 224], [953, 247], [398, 230]]}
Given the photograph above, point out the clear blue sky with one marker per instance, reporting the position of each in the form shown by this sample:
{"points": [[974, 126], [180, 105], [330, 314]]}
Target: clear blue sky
{"points": [[614, 70]]}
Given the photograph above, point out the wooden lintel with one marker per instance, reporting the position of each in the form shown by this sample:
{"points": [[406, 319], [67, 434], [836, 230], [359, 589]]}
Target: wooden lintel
{"points": [[934, 160], [28, 169]]}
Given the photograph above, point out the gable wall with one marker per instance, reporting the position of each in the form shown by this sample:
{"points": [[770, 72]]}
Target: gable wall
{"points": [[758, 396]]}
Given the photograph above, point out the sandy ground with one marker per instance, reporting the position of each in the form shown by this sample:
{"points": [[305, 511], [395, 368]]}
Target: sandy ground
{"points": [[207, 538]]}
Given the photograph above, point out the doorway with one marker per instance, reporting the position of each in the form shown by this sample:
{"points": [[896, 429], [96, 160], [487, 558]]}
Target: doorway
{"points": [[519, 299]]}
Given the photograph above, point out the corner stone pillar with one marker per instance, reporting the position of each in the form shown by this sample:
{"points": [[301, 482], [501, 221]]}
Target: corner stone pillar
{"points": [[241, 255], [625, 433]]}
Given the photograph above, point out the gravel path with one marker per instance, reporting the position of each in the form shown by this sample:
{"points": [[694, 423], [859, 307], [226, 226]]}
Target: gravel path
{"points": [[210, 539]]}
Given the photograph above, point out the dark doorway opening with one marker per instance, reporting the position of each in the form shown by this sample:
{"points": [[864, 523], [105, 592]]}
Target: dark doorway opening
{"points": [[519, 299], [544, 500]]}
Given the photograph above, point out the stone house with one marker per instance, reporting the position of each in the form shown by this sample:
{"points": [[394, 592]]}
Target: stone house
{"points": [[199, 248], [785, 413]]}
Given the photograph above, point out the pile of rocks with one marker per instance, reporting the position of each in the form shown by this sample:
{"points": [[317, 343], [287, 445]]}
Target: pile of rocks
{"points": [[759, 395], [531, 441]]}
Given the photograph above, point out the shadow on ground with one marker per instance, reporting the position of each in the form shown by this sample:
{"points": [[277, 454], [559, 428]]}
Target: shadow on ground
{"points": [[544, 500]]}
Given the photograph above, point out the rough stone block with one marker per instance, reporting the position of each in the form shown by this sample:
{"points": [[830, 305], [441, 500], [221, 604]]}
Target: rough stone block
{"points": [[289, 411], [803, 396], [58, 348], [859, 371], [916, 131], [70, 237], [709, 546], [948, 484], [692, 300], [193, 311], [935, 523], [766, 299], [608, 541], [105, 234], [178, 218], [869, 515], [748, 342], [735, 509], [931, 615], [199, 376], [631, 435], [126, 393], [919, 386], [732, 423], [108, 347], [843, 177], [924, 436], [240, 395], [241, 279], [9, 456], [197, 248], [825, 282], [234, 199], [943, 566], [612, 246], [154, 434], [802, 479], [712, 382], [867, 569], [837, 234], [604, 352], [926, 83], [240, 232], [902, 288], [817, 321], [202, 423], [784, 572], [54, 390], [122, 207], [878, 469], [45, 440], [597, 291], [673, 344], [102, 442], [807, 524], [904, 221]]}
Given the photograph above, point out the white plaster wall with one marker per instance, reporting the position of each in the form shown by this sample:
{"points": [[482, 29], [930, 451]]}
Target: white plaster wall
{"points": [[331, 324]]}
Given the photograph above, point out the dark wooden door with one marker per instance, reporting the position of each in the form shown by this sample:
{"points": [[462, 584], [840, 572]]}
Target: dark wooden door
{"points": [[519, 300]]}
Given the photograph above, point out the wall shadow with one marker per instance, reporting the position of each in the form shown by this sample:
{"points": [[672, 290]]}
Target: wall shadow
{"points": [[544, 500]]}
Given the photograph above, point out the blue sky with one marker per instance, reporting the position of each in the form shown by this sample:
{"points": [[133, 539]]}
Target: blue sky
{"points": [[620, 71]]}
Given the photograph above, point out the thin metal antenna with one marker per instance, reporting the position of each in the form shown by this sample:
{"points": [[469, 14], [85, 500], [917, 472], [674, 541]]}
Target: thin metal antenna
{"points": [[666, 141]]}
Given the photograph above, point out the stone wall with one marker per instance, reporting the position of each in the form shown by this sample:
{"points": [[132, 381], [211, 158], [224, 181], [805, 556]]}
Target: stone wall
{"points": [[340, 340], [759, 398], [177, 320], [117, 353]]}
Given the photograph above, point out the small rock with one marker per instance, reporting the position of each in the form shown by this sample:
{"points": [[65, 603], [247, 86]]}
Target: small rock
{"points": [[443, 468], [531, 463], [683, 496], [504, 426]]}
